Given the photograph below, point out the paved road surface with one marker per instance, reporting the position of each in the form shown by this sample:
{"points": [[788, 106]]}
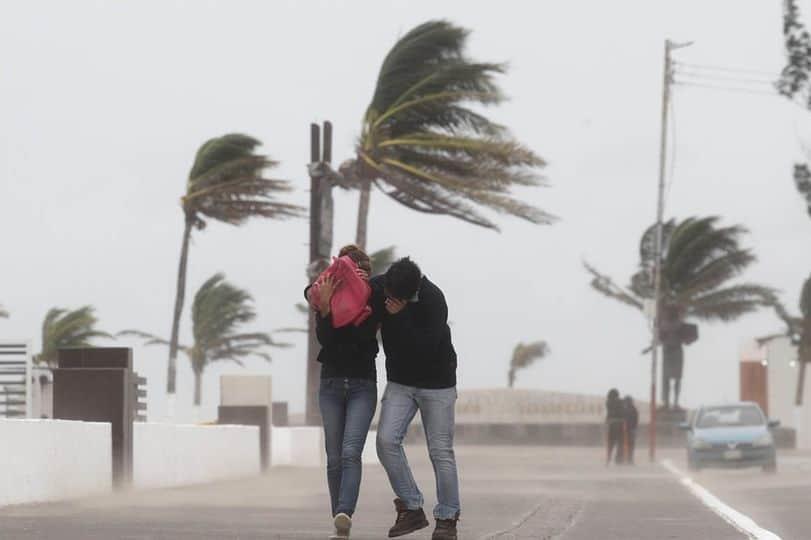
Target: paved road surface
{"points": [[508, 493]]}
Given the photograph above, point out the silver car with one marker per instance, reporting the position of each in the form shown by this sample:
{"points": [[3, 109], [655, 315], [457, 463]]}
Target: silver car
{"points": [[733, 435]]}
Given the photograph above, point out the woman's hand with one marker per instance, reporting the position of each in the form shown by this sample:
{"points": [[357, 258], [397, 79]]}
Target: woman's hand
{"points": [[327, 289], [362, 274]]}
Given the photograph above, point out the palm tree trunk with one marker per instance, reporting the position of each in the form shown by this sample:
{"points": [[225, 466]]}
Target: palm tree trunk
{"points": [[171, 375], [510, 378], [198, 387], [363, 214], [798, 398]]}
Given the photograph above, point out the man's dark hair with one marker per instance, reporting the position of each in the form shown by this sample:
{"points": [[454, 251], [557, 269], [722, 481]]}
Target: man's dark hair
{"points": [[402, 279]]}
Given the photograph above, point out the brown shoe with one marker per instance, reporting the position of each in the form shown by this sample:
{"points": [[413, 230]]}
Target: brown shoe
{"points": [[445, 529], [408, 521]]}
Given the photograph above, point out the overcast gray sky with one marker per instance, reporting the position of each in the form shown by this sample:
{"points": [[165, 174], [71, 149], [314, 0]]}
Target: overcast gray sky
{"points": [[103, 104]]}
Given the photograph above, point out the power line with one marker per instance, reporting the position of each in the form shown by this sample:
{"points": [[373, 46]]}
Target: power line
{"points": [[708, 67], [672, 171], [736, 89], [723, 77]]}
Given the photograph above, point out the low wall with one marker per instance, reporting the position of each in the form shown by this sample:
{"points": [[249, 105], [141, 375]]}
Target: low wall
{"points": [[174, 454], [303, 446], [45, 460], [667, 435]]}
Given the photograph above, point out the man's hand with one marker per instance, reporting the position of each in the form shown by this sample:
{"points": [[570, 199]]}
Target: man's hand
{"points": [[394, 306], [327, 289]]}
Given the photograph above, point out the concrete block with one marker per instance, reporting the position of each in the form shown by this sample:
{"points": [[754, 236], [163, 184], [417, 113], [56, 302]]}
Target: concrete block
{"points": [[246, 390], [48, 460], [178, 455]]}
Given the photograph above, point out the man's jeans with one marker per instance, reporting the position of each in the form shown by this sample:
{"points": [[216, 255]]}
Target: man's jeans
{"points": [[399, 405], [347, 407]]}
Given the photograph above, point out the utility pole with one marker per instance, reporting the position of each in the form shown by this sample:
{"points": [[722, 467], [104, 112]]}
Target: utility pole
{"points": [[321, 214], [667, 80]]}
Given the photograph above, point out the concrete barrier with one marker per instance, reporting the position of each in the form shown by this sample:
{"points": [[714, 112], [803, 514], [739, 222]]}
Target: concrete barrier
{"points": [[303, 446], [175, 455], [46, 460]]}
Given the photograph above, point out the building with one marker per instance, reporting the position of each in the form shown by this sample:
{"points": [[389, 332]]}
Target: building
{"points": [[769, 371]]}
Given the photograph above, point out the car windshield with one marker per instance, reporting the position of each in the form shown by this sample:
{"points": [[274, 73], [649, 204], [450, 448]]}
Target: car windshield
{"points": [[731, 416]]}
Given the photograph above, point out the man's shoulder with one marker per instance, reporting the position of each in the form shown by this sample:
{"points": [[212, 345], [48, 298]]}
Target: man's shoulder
{"points": [[429, 288]]}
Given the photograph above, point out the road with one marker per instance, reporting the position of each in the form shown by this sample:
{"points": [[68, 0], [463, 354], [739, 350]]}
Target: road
{"points": [[508, 493]]}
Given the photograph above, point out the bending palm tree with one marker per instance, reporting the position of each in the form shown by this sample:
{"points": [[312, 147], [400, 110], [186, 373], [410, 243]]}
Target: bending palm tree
{"points": [[524, 356], [798, 329], [699, 260], [226, 184], [795, 80], [422, 144], [62, 328], [218, 311]]}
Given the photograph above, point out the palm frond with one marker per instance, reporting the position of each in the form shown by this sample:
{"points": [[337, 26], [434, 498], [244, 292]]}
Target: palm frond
{"points": [[3, 313], [219, 310], [605, 285], [382, 259], [227, 183], [729, 303], [426, 148], [149, 339], [62, 328], [795, 80], [802, 180], [525, 355], [805, 299]]}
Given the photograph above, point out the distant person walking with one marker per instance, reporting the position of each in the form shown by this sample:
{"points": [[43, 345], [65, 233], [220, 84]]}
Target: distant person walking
{"points": [[631, 423], [421, 372], [615, 424], [348, 394]]}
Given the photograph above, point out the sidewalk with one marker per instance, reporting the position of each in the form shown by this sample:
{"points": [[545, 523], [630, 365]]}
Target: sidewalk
{"points": [[507, 493]]}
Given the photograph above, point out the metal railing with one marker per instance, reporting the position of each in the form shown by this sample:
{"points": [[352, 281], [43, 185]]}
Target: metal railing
{"points": [[15, 379]]}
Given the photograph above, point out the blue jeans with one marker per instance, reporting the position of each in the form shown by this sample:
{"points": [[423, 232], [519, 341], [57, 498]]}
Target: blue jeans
{"points": [[399, 405], [347, 407]]}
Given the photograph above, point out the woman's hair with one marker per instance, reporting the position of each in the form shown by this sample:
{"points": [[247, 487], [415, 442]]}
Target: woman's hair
{"points": [[356, 254], [613, 394]]}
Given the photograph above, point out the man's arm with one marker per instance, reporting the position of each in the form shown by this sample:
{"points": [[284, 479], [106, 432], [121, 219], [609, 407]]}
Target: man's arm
{"points": [[428, 336]]}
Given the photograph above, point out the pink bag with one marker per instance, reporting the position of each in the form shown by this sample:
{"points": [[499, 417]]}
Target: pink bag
{"points": [[350, 301]]}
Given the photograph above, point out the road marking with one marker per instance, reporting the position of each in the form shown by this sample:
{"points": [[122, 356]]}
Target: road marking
{"points": [[743, 523]]}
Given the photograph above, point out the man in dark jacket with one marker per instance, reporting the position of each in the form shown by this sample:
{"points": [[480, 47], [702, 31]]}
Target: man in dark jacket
{"points": [[421, 372]]}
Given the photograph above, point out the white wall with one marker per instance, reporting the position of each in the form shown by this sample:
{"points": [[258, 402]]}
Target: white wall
{"points": [[304, 447], [176, 454], [781, 358], [43, 460]]}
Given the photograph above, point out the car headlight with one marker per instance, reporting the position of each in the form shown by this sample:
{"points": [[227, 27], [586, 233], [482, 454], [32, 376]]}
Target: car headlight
{"points": [[764, 440], [700, 444]]}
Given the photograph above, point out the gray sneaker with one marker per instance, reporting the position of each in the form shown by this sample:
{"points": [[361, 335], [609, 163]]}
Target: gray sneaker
{"points": [[343, 524]]}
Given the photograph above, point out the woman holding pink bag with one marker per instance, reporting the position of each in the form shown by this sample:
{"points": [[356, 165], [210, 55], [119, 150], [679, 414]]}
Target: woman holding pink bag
{"points": [[347, 331]]}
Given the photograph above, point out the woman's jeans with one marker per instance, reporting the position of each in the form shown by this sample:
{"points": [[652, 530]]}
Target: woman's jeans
{"points": [[347, 407], [400, 404]]}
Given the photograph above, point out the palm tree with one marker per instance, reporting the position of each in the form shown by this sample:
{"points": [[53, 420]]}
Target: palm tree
{"points": [[795, 80], [225, 184], [421, 143], [218, 312], [798, 329], [382, 259], [63, 328], [699, 260], [524, 356]]}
